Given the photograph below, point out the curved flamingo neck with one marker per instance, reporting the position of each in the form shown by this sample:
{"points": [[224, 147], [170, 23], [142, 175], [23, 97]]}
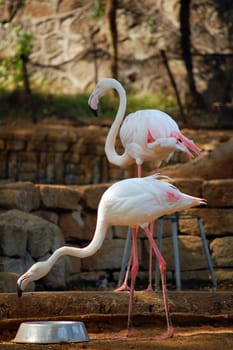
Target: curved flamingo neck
{"points": [[110, 150], [90, 249]]}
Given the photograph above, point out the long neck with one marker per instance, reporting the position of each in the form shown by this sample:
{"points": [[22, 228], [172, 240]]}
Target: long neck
{"points": [[90, 249], [110, 150]]}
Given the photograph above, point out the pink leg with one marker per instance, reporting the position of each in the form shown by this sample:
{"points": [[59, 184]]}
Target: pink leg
{"points": [[124, 286], [162, 267], [134, 271], [149, 287], [139, 167]]}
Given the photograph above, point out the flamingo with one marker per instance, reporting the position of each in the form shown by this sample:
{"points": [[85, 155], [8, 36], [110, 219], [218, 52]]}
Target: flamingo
{"points": [[131, 202], [146, 135]]}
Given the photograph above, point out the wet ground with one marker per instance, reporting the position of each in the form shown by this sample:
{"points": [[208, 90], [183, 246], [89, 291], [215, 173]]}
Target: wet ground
{"points": [[202, 320]]}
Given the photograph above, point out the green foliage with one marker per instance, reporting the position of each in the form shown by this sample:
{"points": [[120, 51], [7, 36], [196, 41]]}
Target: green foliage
{"points": [[15, 106], [160, 101], [98, 8], [11, 67]]}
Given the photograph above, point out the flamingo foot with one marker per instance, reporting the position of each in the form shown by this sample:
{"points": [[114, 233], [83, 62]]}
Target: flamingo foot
{"points": [[149, 288], [124, 287], [168, 334], [125, 335], [129, 333]]}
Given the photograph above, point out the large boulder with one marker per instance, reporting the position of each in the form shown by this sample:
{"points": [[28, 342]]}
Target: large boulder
{"points": [[26, 238], [8, 283], [33, 234]]}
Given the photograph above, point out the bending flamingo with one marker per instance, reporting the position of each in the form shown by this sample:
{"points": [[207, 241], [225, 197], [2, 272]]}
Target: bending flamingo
{"points": [[147, 135], [131, 202]]}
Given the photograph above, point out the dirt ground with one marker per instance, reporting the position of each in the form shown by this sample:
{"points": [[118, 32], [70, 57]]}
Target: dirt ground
{"points": [[202, 320]]}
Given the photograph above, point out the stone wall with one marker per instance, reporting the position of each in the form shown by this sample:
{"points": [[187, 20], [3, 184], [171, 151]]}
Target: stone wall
{"points": [[60, 154], [36, 219], [66, 154], [71, 44]]}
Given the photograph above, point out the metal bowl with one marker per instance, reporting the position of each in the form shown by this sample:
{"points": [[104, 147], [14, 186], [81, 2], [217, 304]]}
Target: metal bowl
{"points": [[46, 332]]}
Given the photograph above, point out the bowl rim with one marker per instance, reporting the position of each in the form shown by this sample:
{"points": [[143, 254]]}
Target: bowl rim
{"points": [[21, 338]]}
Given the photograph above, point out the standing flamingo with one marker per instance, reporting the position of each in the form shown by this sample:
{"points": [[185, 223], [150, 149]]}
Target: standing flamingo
{"points": [[147, 135], [131, 202]]}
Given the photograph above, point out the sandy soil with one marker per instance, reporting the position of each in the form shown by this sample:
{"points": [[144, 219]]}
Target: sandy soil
{"points": [[202, 320]]}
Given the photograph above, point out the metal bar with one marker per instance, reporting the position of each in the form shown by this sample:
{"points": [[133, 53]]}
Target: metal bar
{"points": [[207, 252]]}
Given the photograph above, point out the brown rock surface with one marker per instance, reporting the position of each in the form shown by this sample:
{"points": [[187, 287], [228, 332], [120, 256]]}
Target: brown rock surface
{"points": [[218, 193], [19, 195], [216, 164], [222, 251], [59, 196]]}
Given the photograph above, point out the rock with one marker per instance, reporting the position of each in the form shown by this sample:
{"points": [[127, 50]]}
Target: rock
{"points": [[92, 194], [87, 278], [222, 251], [75, 265], [190, 250], [196, 275], [16, 265], [19, 195], [214, 165], [190, 186], [75, 226], [48, 215], [13, 238], [59, 196], [58, 275], [224, 275], [43, 237], [216, 221], [35, 234], [218, 193], [8, 283], [104, 259]]}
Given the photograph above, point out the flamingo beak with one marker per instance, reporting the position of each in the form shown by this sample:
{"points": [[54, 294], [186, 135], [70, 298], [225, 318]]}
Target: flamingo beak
{"points": [[185, 145], [93, 101], [182, 147], [19, 291], [22, 282], [94, 111]]}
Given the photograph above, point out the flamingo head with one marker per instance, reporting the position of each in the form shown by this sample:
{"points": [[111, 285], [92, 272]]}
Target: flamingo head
{"points": [[184, 144], [178, 201], [99, 91], [36, 271]]}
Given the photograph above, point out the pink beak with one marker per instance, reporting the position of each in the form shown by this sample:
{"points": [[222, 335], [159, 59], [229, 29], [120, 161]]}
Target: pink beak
{"points": [[185, 144]]}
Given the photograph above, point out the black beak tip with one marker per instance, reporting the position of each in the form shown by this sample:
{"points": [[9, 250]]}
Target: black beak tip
{"points": [[94, 111], [19, 292]]}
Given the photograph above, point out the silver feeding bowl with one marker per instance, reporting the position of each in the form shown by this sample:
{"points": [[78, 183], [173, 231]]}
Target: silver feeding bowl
{"points": [[45, 332]]}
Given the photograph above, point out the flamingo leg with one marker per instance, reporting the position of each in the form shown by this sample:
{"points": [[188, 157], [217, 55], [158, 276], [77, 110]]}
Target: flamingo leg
{"points": [[162, 267], [149, 287], [139, 168], [124, 286], [134, 271]]}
